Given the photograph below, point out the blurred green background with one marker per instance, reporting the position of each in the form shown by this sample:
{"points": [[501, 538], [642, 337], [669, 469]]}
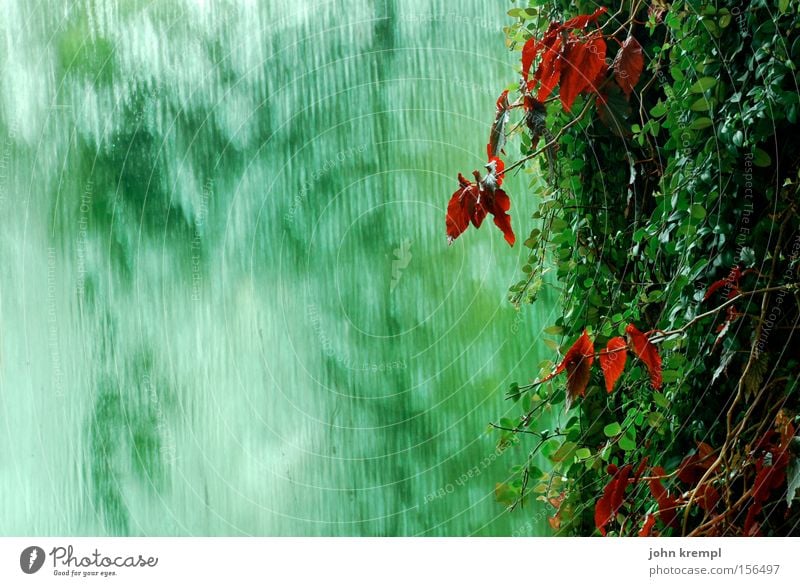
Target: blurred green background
{"points": [[227, 302]]}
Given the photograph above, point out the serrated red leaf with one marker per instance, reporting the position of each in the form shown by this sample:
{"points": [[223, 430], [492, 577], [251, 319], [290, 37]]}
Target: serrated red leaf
{"points": [[647, 353], [628, 65], [580, 64], [647, 527], [613, 497], [549, 72], [583, 20], [578, 363], [612, 361], [461, 208], [498, 208], [533, 47]]}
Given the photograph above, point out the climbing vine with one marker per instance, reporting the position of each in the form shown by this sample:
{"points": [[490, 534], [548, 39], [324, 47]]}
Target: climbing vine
{"points": [[661, 142]]}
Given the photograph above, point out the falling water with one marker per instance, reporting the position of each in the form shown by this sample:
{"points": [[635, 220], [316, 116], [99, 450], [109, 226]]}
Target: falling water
{"points": [[227, 305]]}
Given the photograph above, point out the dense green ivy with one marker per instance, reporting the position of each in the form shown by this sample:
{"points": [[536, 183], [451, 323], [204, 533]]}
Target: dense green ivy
{"points": [[643, 205]]}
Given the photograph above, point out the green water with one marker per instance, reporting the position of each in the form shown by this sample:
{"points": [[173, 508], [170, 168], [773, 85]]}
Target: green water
{"points": [[227, 304]]}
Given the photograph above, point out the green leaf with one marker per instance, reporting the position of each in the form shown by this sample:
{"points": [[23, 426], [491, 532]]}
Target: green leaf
{"points": [[701, 123], [660, 400], [565, 452], [761, 158], [612, 429], [554, 330], [703, 84], [658, 110], [628, 441], [583, 453], [698, 212]]}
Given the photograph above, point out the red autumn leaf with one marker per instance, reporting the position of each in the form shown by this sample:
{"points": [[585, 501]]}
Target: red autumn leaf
{"points": [[612, 361], [580, 64], [529, 51], [706, 497], [628, 65], [497, 135], [555, 521], [549, 71], [667, 505], [647, 527], [462, 209], [533, 46], [731, 283], [494, 200], [768, 478], [693, 467], [647, 353], [577, 362], [583, 20], [472, 201], [612, 499]]}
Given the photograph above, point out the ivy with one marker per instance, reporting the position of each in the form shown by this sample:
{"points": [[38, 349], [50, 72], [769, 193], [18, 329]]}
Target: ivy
{"points": [[667, 198]]}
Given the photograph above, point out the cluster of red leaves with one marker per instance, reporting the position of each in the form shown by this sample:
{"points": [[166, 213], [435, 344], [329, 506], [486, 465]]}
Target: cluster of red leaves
{"points": [[691, 471], [473, 201], [771, 458], [576, 61], [613, 497], [609, 504], [579, 358], [772, 451], [568, 57]]}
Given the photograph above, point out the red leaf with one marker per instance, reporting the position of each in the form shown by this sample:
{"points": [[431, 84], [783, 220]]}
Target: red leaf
{"points": [[647, 527], [647, 353], [731, 283], [555, 521], [577, 362], [494, 200], [628, 65], [533, 47], [612, 499], [707, 497], [529, 51], [580, 64], [693, 467], [461, 208], [583, 20], [498, 207], [612, 361], [667, 505], [549, 71]]}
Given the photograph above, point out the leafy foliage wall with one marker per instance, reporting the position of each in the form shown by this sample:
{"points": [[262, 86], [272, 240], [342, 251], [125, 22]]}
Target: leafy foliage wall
{"points": [[662, 141]]}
